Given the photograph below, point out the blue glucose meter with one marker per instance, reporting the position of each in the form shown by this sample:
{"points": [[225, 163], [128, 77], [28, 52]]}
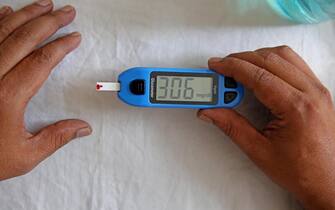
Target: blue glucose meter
{"points": [[175, 88]]}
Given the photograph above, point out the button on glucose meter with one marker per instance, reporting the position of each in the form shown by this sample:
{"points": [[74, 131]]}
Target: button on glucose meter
{"points": [[137, 87], [175, 88]]}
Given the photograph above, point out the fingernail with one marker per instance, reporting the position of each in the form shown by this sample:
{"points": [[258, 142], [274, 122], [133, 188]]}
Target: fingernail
{"points": [[83, 132], [5, 10], [205, 118], [44, 3], [75, 34], [215, 60], [67, 8]]}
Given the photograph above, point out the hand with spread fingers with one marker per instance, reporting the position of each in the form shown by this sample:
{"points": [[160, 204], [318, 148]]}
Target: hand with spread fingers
{"points": [[23, 69], [297, 148]]}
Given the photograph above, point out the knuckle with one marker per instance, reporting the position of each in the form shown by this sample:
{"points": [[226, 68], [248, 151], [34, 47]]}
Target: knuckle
{"points": [[293, 100], [231, 60], [5, 29], [324, 92], [233, 55], [261, 76], [284, 49], [29, 11], [237, 63], [22, 36], [228, 129], [270, 57], [26, 12], [53, 20], [43, 56], [58, 140], [304, 106]]}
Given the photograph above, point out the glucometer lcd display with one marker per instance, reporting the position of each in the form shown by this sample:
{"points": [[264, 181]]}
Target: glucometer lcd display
{"points": [[183, 88]]}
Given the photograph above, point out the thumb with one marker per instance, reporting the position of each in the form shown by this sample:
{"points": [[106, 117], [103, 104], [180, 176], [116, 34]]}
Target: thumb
{"points": [[252, 142], [53, 137]]}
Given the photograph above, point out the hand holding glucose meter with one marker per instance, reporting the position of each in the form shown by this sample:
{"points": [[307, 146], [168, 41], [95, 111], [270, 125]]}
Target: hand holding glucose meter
{"points": [[175, 88]]}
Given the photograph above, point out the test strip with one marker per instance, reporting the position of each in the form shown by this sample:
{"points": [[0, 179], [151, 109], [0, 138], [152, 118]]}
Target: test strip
{"points": [[108, 86]]}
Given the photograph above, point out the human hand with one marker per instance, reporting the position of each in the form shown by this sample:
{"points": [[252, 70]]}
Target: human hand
{"points": [[23, 69], [297, 148]]}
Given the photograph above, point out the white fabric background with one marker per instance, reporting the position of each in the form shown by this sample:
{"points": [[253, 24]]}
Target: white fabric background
{"points": [[156, 159]]}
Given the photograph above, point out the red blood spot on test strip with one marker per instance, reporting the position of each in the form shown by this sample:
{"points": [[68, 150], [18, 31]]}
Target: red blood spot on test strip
{"points": [[99, 86]]}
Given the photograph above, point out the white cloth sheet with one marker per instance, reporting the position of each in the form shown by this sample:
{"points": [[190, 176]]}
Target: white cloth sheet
{"points": [[144, 159]]}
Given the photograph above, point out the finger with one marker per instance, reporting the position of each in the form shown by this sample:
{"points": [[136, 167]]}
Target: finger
{"points": [[253, 143], [274, 93], [278, 66], [5, 11], [53, 137], [291, 56], [29, 75], [29, 36], [22, 16]]}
